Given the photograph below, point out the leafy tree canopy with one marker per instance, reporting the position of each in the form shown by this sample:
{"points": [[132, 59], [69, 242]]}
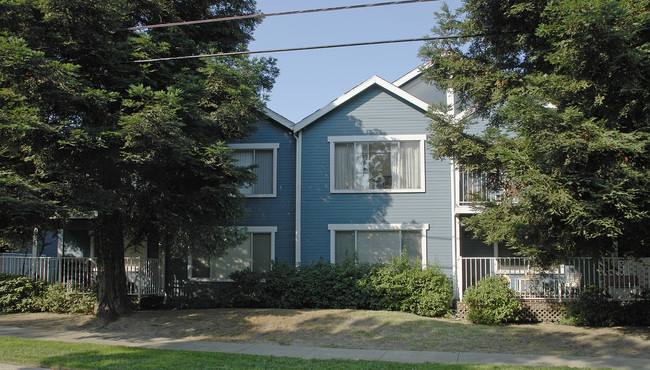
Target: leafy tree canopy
{"points": [[139, 147], [563, 89]]}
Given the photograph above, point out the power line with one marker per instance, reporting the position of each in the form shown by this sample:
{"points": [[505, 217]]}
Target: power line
{"points": [[262, 15], [305, 48]]}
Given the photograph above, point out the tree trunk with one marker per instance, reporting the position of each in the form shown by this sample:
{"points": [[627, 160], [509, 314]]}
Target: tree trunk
{"points": [[112, 298]]}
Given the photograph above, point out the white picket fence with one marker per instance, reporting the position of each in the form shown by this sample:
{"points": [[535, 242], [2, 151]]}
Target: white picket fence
{"points": [[621, 278], [142, 274]]}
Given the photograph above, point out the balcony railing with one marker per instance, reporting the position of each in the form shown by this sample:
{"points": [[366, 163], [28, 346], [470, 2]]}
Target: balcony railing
{"points": [[472, 188], [621, 278], [142, 274]]}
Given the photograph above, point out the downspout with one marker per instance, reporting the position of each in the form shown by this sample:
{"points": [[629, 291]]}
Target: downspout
{"points": [[298, 138]]}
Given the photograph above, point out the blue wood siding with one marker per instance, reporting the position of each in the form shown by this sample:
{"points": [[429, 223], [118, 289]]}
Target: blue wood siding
{"points": [[424, 91], [373, 112], [281, 210]]}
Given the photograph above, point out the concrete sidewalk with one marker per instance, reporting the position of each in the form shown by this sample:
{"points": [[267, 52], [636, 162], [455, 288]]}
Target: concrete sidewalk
{"points": [[323, 353]]}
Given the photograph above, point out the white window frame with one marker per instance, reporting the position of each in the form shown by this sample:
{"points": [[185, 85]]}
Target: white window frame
{"points": [[250, 230], [333, 140], [333, 228], [262, 146]]}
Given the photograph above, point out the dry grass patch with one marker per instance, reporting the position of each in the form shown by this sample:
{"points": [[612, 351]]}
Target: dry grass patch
{"points": [[355, 329]]}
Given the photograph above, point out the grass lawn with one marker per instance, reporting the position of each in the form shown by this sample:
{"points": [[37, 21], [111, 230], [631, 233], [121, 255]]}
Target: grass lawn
{"points": [[351, 329], [91, 356]]}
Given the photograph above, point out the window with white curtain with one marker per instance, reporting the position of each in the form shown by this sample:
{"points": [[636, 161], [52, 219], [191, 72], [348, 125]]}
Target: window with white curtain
{"points": [[378, 243], [264, 158], [255, 253], [377, 163]]}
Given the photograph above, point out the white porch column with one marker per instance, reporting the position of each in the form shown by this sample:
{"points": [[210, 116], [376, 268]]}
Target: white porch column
{"points": [[161, 270], [91, 233], [59, 254], [35, 243]]}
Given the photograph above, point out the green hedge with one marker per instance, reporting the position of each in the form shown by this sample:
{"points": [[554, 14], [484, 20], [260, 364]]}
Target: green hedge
{"points": [[21, 294], [492, 301], [402, 286], [594, 307], [397, 285]]}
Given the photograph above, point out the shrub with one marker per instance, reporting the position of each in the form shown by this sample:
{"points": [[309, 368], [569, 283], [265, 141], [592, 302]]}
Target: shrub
{"points": [[403, 286], [19, 294], [394, 286], [593, 307], [636, 312], [246, 290], [326, 285], [431, 292], [492, 302], [279, 284], [320, 285], [57, 298]]}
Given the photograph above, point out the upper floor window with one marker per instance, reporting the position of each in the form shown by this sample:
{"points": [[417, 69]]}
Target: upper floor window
{"points": [[264, 157], [377, 163]]}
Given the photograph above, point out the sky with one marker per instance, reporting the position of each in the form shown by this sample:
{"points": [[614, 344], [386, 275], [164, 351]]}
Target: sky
{"points": [[309, 80]]}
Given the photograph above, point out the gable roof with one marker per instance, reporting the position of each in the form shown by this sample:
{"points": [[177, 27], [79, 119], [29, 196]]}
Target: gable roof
{"points": [[372, 81], [278, 118], [411, 75]]}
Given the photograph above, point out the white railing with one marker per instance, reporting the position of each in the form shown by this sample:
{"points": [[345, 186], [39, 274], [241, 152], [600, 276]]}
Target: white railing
{"points": [[472, 187], [621, 278], [142, 274]]}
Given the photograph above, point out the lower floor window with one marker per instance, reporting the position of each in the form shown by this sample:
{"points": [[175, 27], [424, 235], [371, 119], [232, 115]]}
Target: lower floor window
{"points": [[255, 253], [378, 243]]}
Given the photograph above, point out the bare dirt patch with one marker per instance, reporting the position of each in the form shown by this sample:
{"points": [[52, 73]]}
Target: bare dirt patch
{"points": [[354, 329]]}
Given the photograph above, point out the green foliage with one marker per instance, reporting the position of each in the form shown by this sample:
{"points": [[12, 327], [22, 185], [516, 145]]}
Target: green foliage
{"points": [[397, 285], [19, 294], [403, 286], [492, 301], [320, 285], [59, 299], [142, 146], [247, 290], [594, 307], [326, 285], [563, 88]]}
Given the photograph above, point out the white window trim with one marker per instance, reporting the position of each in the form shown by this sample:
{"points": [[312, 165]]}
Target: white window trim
{"points": [[262, 146], [250, 230], [333, 228], [373, 138]]}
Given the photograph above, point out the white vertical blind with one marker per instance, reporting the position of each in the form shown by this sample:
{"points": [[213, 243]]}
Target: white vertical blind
{"points": [[244, 158], [263, 159], [264, 172]]}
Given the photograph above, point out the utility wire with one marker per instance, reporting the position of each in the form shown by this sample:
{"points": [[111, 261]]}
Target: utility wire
{"points": [[305, 48], [262, 15]]}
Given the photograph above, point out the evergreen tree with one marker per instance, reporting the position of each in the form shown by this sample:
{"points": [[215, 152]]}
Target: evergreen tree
{"points": [[138, 148], [564, 86]]}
